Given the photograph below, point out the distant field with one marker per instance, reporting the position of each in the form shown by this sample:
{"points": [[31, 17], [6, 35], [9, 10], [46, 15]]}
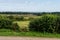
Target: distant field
{"points": [[26, 17], [22, 23]]}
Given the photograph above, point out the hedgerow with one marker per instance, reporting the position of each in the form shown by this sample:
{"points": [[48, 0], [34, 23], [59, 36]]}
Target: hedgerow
{"points": [[46, 23], [6, 23]]}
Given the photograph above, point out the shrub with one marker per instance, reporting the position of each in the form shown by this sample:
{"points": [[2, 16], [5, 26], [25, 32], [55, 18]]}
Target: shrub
{"points": [[15, 18], [6, 23], [15, 27], [10, 17], [58, 24], [46, 23], [24, 29], [31, 18], [19, 18]]}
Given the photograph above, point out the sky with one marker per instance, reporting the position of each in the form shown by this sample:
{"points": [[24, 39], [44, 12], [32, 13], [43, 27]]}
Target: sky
{"points": [[30, 5]]}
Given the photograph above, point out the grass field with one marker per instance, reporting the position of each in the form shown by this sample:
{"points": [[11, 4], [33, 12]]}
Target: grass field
{"points": [[22, 23], [6, 32]]}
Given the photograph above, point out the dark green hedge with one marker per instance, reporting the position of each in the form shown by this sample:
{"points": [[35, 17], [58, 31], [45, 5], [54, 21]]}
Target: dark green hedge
{"points": [[46, 23], [6, 23]]}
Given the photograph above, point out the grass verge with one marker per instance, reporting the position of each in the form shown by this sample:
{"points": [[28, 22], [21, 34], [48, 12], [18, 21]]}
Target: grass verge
{"points": [[4, 32]]}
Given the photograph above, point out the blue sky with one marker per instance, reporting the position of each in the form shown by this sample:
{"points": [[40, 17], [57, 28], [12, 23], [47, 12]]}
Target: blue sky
{"points": [[30, 5]]}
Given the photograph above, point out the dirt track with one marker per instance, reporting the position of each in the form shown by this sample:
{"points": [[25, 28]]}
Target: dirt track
{"points": [[27, 38]]}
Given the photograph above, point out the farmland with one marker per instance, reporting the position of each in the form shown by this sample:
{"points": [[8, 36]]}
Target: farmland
{"points": [[30, 24]]}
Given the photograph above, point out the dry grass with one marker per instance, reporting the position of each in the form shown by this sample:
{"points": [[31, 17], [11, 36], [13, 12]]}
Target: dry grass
{"points": [[22, 24]]}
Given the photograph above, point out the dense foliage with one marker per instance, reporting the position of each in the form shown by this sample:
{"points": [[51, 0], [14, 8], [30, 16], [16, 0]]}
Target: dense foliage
{"points": [[15, 18], [6, 23], [47, 23]]}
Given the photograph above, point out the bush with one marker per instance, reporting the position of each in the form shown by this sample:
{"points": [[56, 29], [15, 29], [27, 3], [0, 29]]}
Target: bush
{"points": [[58, 24], [15, 18], [10, 17], [20, 18], [46, 23], [15, 27], [24, 29], [6, 23], [30, 18]]}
